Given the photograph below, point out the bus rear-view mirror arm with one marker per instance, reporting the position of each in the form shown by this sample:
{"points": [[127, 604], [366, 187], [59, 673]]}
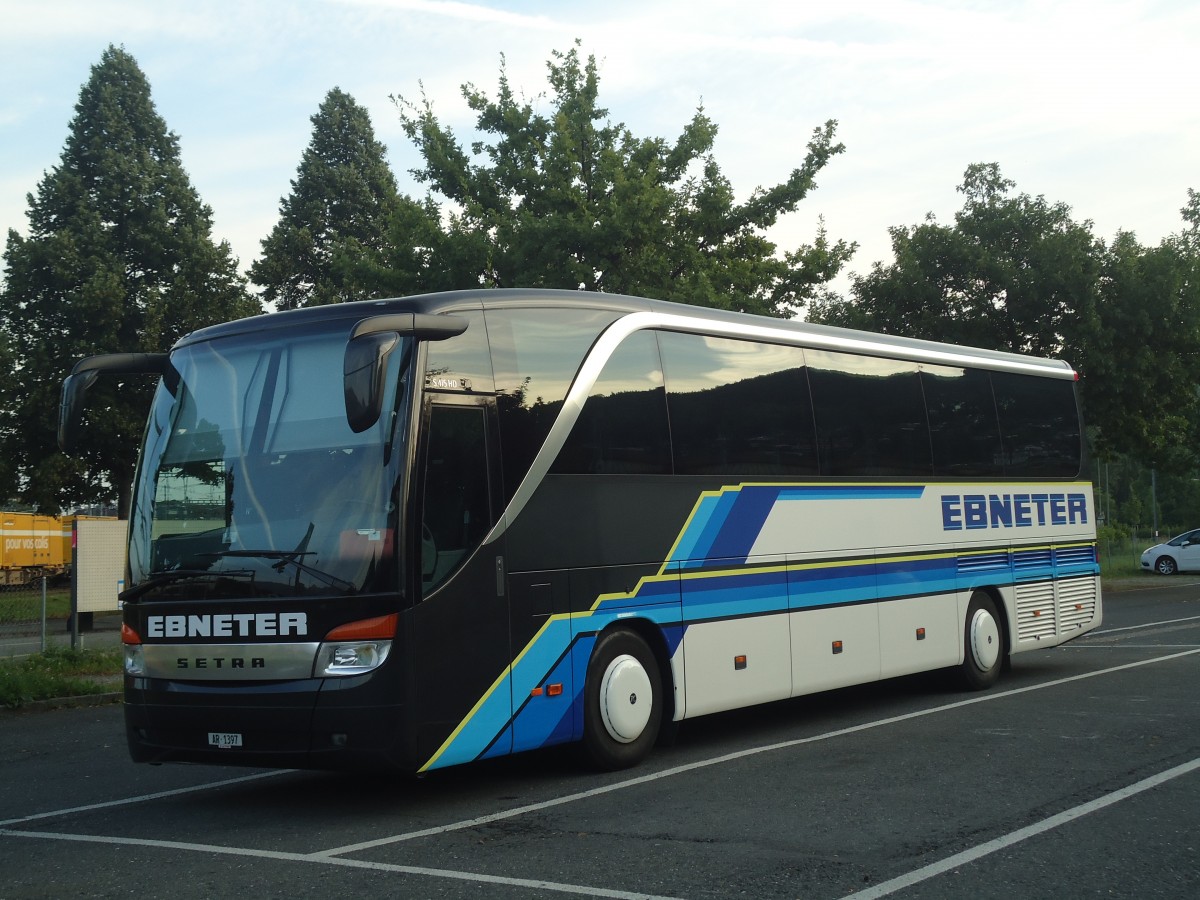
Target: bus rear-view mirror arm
{"points": [[84, 375], [371, 342]]}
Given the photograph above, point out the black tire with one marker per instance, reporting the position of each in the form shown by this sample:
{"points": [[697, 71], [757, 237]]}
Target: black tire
{"points": [[622, 701], [983, 644], [1165, 565]]}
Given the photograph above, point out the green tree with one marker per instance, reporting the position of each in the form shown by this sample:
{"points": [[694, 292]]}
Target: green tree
{"points": [[119, 257], [569, 199], [342, 198], [1014, 272], [1142, 367]]}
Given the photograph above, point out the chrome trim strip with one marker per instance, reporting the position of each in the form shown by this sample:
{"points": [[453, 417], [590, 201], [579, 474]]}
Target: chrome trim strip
{"points": [[230, 662]]}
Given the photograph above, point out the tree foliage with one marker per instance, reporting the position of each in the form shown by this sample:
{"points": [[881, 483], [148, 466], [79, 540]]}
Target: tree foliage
{"points": [[342, 198], [1014, 272], [569, 199], [1142, 367], [119, 257]]}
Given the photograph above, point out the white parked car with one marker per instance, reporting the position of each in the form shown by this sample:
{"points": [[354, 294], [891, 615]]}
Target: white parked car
{"points": [[1179, 554]]}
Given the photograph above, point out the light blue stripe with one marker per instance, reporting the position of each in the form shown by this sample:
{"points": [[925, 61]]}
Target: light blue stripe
{"points": [[695, 529]]}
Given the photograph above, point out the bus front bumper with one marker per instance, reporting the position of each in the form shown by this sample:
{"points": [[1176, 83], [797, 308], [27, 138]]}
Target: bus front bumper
{"points": [[301, 727]]}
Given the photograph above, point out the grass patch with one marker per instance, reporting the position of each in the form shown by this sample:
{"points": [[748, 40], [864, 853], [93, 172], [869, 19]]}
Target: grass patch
{"points": [[26, 606], [58, 603], [1122, 559], [59, 672]]}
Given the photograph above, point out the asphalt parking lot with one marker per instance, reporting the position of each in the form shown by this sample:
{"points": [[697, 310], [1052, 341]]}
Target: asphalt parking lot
{"points": [[1078, 775]]}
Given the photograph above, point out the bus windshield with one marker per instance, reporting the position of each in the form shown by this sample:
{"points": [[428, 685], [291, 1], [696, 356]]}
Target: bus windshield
{"points": [[251, 482]]}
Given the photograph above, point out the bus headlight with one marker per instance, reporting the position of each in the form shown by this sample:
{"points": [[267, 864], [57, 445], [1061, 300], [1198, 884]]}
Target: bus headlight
{"points": [[135, 660], [350, 658]]}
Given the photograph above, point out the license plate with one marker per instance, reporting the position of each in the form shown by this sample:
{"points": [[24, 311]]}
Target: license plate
{"points": [[224, 739]]}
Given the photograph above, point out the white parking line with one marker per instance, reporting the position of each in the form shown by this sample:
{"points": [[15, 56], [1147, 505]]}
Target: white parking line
{"points": [[1112, 647], [1095, 634], [142, 798], [729, 757], [523, 883], [1160, 586], [885, 888], [335, 856]]}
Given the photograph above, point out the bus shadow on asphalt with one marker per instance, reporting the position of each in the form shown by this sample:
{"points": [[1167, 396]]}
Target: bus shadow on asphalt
{"points": [[532, 776]]}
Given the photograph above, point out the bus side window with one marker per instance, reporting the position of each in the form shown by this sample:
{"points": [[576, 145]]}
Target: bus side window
{"points": [[738, 409], [1039, 422], [462, 363], [456, 511], [622, 429], [963, 427], [536, 352], [870, 415]]}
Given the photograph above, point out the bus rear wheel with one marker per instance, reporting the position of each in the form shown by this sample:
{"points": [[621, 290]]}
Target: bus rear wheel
{"points": [[622, 701], [983, 644]]}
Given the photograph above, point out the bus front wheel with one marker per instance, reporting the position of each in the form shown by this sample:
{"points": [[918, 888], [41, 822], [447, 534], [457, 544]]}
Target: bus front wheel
{"points": [[983, 644], [622, 701]]}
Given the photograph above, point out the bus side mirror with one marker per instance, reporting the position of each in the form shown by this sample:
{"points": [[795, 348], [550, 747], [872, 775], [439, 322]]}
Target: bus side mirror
{"points": [[372, 341], [84, 375], [70, 408], [362, 378]]}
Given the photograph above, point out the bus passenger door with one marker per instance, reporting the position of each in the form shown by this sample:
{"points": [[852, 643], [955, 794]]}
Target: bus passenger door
{"points": [[461, 647]]}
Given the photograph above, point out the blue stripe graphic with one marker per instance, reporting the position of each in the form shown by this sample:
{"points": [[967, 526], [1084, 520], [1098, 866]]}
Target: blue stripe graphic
{"points": [[725, 527], [707, 579]]}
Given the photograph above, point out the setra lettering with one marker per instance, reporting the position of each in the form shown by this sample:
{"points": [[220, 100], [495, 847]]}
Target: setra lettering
{"points": [[221, 662]]}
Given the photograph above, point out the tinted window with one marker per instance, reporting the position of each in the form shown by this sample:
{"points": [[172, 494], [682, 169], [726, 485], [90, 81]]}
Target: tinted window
{"points": [[536, 353], [1039, 424], [870, 415], [623, 425], [461, 363], [963, 428], [738, 408], [456, 513]]}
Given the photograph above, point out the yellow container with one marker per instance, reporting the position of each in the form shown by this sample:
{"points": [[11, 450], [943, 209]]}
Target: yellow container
{"points": [[33, 545]]}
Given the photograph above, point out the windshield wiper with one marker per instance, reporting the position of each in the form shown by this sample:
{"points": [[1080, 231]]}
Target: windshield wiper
{"points": [[290, 557], [170, 576]]}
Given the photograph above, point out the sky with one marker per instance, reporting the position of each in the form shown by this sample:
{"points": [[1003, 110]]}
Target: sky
{"points": [[1092, 104]]}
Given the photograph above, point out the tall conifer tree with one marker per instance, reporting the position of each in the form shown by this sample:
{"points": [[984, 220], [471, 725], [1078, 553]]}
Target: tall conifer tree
{"points": [[342, 197], [119, 257]]}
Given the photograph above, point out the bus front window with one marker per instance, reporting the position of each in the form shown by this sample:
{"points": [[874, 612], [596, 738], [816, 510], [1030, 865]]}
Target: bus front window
{"points": [[251, 481]]}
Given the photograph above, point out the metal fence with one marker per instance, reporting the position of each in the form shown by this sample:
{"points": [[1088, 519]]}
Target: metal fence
{"points": [[24, 627]]}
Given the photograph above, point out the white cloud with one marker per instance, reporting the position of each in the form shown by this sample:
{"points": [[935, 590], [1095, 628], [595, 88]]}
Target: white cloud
{"points": [[1088, 103], [468, 12]]}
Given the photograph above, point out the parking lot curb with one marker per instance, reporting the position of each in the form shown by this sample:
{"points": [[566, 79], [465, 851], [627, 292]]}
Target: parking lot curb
{"points": [[77, 702]]}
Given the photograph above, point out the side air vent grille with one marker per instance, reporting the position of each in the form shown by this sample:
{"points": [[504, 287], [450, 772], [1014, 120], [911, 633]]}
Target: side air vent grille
{"points": [[1076, 603], [1035, 611]]}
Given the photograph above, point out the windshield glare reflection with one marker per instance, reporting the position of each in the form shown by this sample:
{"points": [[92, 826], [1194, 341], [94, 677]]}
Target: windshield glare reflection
{"points": [[251, 481]]}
